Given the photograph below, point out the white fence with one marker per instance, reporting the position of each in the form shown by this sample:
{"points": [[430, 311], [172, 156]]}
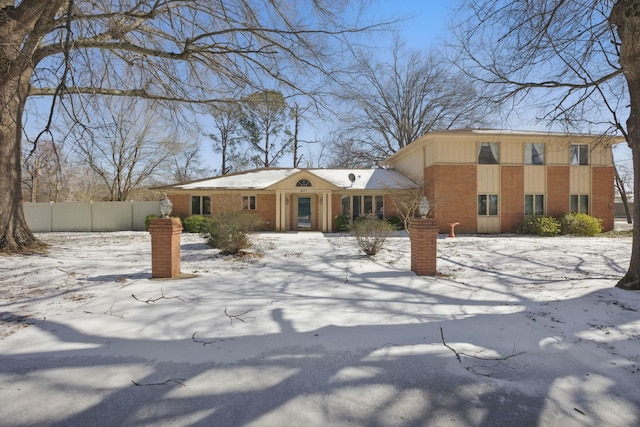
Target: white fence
{"points": [[89, 216]]}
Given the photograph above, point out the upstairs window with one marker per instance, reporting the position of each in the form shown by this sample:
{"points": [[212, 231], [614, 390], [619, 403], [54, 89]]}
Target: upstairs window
{"points": [[303, 183], [533, 154], [200, 205], [249, 203], [579, 154], [488, 153]]}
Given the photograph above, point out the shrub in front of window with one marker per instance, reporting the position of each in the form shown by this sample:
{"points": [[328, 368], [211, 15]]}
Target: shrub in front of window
{"points": [[395, 222], [148, 219], [342, 223], [229, 231], [541, 225], [580, 224], [371, 235], [196, 224]]}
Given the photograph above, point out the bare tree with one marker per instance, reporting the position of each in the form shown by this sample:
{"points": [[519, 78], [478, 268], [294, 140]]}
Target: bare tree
{"points": [[186, 163], [43, 165], [179, 50], [394, 103], [227, 118], [576, 61], [264, 115], [125, 143]]}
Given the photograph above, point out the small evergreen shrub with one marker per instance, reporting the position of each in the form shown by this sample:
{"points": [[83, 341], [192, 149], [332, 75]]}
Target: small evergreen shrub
{"points": [[148, 219], [342, 223], [229, 231], [580, 224], [541, 225], [196, 224], [395, 222], [371, 235]]}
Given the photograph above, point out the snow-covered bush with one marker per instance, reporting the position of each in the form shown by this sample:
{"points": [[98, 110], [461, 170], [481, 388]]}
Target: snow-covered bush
{"points": [[541, 225], [229, 231], [580, 224], [371, 234]]}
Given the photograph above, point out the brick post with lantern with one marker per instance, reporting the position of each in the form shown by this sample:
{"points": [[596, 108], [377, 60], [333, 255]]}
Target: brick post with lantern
{"points": [[165, 243], [424, 237]]}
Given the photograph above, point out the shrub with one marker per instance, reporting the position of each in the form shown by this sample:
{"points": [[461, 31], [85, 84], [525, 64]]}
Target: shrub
{"points": [[342, 223], [541, 225], [148, 219], [580, 224], [395, 222], [196, 224], [371, 235], [229, 231]]}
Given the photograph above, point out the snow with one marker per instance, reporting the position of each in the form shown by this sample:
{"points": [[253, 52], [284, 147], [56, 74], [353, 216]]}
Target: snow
{"points": [[305, 330], [260, 179]]}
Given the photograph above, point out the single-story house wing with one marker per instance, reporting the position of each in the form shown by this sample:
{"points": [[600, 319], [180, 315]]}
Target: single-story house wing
{"points": [[294, 198]]}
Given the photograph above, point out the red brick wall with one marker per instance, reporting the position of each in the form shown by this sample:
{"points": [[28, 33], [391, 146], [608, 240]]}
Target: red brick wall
{"points": [[557, 190], [181, 204], [512, 198], [453, 190], [602, 196], [266, 208]]}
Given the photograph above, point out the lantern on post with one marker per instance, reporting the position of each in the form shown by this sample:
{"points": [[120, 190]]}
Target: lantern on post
{"points": [[423, 207], [165, 207]]}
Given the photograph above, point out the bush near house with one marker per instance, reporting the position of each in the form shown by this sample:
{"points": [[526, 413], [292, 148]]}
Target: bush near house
{"points": [[371, 234], [196, 224], [342, 223], [395, 222], [580, 224], [541, 225], [229, 231]]}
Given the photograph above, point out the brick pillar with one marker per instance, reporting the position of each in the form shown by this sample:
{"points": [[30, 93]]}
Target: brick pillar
{"points": [[424, 236], [165, 247]]}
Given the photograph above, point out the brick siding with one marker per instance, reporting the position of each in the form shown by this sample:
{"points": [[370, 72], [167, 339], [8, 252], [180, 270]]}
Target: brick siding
{"points": [[602, 191], [511, 198]]}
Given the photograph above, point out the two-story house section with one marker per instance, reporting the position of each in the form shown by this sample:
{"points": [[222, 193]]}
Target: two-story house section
{"points": [[489, 180]]}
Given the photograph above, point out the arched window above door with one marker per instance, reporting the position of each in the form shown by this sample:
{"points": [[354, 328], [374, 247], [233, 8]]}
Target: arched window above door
{"points": [[303, 183]]}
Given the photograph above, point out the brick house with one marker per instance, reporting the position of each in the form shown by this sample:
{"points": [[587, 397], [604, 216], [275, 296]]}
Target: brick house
{"points": [[488, 180], [292, 198]]}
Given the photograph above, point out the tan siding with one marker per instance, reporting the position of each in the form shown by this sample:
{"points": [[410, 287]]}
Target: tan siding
{"points": [[411, 166], [488, 179], [535, 179], [488, 224], [601, 156], [511, 153], [580, 180], [456, 152]]}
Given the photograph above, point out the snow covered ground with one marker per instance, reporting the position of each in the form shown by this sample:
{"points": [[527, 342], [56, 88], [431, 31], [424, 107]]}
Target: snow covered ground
{"points": [[306, 331]]}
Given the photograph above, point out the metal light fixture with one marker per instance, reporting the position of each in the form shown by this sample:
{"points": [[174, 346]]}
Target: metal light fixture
{"points": [[165, 207], [423, 207]]}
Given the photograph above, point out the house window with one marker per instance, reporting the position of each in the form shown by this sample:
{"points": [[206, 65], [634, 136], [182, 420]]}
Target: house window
{"points": [[200, 205], [488, 153], [579, 154], [579, 203], [249, 203], [487, 204], [534, 154], [303, 183], [534, 204], [356, 206]]}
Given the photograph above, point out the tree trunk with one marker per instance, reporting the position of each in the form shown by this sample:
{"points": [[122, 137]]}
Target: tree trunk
{"points": [[625, 16], [15, 235]]}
